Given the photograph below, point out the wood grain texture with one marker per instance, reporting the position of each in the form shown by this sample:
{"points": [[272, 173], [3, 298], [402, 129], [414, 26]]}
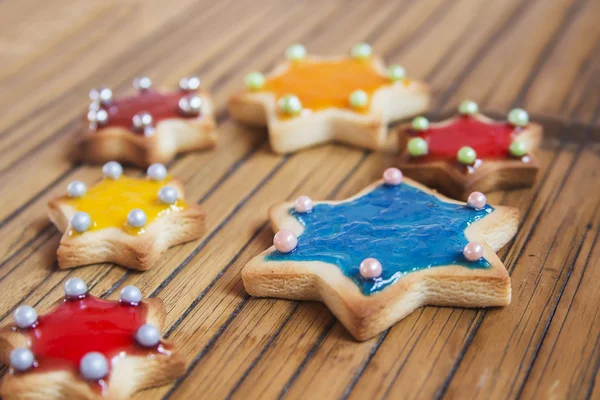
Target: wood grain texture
{"points": [[543, 55]]}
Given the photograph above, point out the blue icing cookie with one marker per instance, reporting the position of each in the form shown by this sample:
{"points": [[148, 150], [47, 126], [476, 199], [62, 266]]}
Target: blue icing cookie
{"points": [[403, 227]]}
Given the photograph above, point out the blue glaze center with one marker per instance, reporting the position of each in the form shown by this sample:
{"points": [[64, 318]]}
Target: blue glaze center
{"points": [[403, 227]]}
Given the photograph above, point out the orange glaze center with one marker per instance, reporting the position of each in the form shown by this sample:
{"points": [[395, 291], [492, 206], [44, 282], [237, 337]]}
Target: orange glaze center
{"points": [[326, 84], [109, 201]]}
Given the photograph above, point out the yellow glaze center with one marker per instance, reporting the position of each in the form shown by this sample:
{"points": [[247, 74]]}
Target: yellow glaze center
{"points": [[326, 84], [109, 202]]}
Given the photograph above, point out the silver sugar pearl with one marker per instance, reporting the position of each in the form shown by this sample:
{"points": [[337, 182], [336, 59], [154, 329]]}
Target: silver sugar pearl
{"points": [[101, 95], [148, 335], [156, 172], [141, 120], [142, 83], [131, 295], [93, 366], [112, 170], [136, 218], [76, 189], [21, 359], [75, 288], [25, 317], [189, 83], [190, 105], [168, 195], [81, 221]]}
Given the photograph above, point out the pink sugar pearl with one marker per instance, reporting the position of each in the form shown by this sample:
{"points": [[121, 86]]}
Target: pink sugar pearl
{"points": [[477, 200], [285, 241], [392, 176], [370, 268], [473, 251], [303, 204]]}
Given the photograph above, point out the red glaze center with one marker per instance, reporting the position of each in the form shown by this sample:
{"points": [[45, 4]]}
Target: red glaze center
{"points": [[161, 105], [488, 139], [61, 338]]}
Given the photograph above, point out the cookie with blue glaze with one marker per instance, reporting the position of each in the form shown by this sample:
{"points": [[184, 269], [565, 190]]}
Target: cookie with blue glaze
{"points": [[377, 256]]}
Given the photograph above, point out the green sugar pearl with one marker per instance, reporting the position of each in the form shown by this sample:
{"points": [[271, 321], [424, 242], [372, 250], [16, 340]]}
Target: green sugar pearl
{"points": [[295, 52], [361, 51], [417, 147], [396, 73], [290, 104], [358, 99], [254, 80], [466, 155], [468, 107], [420, 124], [518, 117], [517, 149]]}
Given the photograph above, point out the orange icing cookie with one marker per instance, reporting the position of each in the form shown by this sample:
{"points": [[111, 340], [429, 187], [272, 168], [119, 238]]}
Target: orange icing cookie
{"points": [[327, 84], [109, 202]]}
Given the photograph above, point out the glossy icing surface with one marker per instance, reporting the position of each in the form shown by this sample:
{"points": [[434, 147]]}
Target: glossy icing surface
{"points": [[61, 338], [402, 227], [162, 105], [326, 84], [488, 139], [109, 201]]}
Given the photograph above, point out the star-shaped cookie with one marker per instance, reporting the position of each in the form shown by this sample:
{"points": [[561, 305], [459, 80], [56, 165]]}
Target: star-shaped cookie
{"points": [[124, 220], [308, 100], [379, 255], [470, 152], [87, 348], [150, 126]]}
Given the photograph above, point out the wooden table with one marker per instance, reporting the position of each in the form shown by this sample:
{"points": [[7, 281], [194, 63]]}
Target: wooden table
{"points": [[542, 55]]}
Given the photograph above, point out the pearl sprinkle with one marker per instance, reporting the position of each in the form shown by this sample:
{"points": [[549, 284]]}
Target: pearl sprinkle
{"points": [[285, 241], [143, 122], [156, 172], [131, 295], [75, 288], [303, 204], [112, 170], [25, 317], [190, 105], [142, 83], [102, 95], [168, 195], [81, 222], [148, 335], [295, 52], [136, 218], [392, 176], [189, 83], [21, 359], [370, 268], [76, 189], [473, 251], [477, 200], [93, 366]]}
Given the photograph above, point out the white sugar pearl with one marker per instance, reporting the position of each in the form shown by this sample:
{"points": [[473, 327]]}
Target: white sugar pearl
{"points": [[101, 95], [156, 172], [142, 120], [131, 295], [136, 218], [148, 335], [167, 195], [21, 359], [75, 288], [93, 366], [25, 317], [189, 83], [142, 83], [190, 105], [112, 170], [81, 222], [76, 189]]}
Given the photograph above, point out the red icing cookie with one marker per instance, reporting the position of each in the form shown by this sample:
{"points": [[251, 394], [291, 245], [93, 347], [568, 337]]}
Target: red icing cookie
{"points": [[150, 126], [470, 152], [87, 347]]}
